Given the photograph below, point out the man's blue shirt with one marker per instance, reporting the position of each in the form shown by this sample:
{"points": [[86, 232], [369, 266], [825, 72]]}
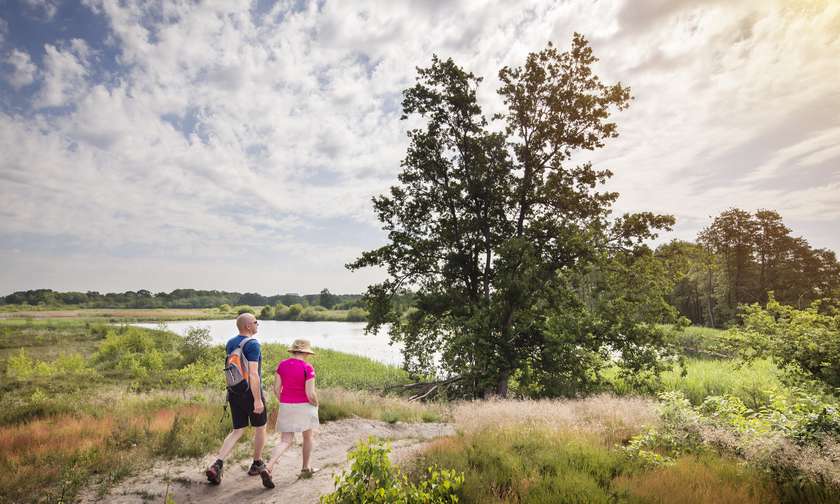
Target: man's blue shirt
{"points": [[251, 350]]}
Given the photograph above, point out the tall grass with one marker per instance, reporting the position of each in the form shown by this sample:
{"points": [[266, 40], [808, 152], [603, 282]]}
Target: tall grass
{"points": [[613, 419], [752, 383], [526, 464], [341, 403], [700, 480]]}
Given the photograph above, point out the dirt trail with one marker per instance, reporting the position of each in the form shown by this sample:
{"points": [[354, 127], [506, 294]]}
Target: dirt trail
{"points": [[187, 483]]}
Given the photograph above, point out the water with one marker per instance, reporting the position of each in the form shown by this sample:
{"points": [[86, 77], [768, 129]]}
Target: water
{"points": [[348, 337]]}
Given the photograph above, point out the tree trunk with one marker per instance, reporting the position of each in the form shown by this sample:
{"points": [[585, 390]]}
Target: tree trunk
{"points": [[502, 386]]}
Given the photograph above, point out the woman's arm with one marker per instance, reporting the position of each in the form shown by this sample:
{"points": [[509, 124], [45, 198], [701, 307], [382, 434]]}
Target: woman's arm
{"points": [[310, 392], [278, 385]]}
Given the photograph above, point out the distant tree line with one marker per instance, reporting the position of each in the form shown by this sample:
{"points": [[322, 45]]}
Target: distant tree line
{"points": [[740, 258], [178, 298]]}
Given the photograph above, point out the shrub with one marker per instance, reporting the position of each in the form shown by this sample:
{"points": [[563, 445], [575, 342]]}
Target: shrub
{"points": [[244, 309], [71, 366], [357, 315], [267, 313], [806, 341], [373, 479], [195, 345], [294, 311], [138, 352]]}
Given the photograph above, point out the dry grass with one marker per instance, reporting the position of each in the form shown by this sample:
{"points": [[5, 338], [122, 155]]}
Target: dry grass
{"points": [[339, 403], [46, 437], [695, 481], [613, 419]]}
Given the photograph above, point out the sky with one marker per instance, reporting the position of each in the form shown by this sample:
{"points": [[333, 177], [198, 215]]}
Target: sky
{"points": [[236, 145]]}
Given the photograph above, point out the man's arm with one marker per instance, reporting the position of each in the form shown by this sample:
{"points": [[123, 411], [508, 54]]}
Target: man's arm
{"points": [[254, 382]]}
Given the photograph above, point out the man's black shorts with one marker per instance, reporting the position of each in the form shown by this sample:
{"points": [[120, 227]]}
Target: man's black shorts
{"points": [[242, 410]]}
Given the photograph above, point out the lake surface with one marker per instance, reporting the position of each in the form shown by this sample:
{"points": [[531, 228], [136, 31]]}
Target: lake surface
{"points": [[346, 337]]}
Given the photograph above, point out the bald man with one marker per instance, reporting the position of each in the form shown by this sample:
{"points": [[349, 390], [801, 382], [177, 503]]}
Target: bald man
{"points": [[246, 406]]}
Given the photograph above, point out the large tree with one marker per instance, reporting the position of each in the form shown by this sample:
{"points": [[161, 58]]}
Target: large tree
{"points": [[516, 265]]}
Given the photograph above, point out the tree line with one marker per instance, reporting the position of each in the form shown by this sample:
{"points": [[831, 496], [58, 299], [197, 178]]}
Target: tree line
{"points": [[178, 298], [739, 259]]}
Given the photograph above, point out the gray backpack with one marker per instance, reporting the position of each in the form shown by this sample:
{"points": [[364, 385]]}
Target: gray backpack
{"points": [[237, 367]]}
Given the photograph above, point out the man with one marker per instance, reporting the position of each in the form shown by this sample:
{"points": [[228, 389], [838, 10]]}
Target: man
{"points": [[247, 407]]}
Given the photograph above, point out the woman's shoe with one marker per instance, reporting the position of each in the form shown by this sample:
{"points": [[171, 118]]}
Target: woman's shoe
{"points": [[308, 472]]}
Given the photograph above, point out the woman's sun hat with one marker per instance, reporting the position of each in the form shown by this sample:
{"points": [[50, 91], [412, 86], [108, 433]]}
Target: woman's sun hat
{"points": [[301, 346]]}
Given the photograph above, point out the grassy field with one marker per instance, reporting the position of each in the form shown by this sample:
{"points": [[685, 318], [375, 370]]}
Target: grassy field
{"points": [[87, 403]]}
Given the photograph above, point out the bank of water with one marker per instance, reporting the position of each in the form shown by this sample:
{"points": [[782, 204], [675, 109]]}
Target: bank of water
{"points": [[348, 337]]}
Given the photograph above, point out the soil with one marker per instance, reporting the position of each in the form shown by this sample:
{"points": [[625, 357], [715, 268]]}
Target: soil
{"points": [[184, 480]]}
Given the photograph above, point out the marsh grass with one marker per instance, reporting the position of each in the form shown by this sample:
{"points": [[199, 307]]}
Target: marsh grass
{"points": [[752, 382], [339, 403]]}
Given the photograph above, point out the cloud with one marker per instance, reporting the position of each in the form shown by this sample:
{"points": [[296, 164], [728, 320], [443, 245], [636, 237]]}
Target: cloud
{"points": [[23, 70], [224, 135], [65, 74]]}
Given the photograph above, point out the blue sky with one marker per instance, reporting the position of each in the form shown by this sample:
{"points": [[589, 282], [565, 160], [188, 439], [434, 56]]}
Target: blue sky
{"points": [[236, 145]]}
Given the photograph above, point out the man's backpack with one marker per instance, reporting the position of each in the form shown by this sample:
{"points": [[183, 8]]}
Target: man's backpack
{"points": [[236, 368]]}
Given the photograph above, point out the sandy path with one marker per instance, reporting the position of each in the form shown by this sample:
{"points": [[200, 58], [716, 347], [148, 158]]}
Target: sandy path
{"points": [[187, 482]]}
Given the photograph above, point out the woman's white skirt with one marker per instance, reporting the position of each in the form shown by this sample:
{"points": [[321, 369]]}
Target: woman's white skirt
{"points": [[296, 417]]}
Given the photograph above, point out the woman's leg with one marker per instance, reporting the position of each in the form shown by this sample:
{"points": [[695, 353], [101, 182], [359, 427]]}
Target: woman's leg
{"points": [[286, 440], [307, 448]]}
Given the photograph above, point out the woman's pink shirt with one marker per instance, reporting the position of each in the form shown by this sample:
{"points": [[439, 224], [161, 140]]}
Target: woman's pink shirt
{"points": [[293, 375]]}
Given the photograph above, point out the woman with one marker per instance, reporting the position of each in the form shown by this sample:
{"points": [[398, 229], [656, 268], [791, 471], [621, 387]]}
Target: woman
{"points": [[295, 389]]}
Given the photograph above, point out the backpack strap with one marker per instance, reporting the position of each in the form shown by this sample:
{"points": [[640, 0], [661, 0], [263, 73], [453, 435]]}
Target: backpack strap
{"points": [[244, 342]]}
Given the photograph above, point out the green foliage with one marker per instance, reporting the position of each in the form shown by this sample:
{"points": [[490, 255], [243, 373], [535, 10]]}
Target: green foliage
{"points": [[71, 367], [805, 341], [517, 267], [523, 464], [791, 438], [267, 313], [244, 309], [373, 479], [196, 345], [138, 353]]}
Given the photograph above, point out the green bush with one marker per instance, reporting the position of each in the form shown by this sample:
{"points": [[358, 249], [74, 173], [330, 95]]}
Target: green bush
{"points": [[373, 479], [357, 315], [138, 353], [21, 367], [805, 341], [195, 345]]}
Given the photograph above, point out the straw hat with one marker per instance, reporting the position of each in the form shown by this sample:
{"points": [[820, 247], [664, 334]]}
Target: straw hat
{"points": [[301, 346]]}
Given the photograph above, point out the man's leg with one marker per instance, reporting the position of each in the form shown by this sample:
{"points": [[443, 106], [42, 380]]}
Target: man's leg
{"points": [[229, 443], [259, 441]]}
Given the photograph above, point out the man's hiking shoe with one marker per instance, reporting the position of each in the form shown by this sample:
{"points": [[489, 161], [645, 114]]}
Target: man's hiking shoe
{"points": [[266, 478], [214, 473], [308, 472], [257, 467]]}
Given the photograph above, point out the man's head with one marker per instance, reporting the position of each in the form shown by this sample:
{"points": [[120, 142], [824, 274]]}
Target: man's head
{"points": [[247, 324]]}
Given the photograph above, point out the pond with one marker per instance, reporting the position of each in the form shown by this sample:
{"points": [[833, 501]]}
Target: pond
{"points": [[348, 337]]}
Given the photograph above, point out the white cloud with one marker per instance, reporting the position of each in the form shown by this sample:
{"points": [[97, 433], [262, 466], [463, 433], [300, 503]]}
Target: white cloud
{"points": [[228, 138], [23, 70], [65, 73]]}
